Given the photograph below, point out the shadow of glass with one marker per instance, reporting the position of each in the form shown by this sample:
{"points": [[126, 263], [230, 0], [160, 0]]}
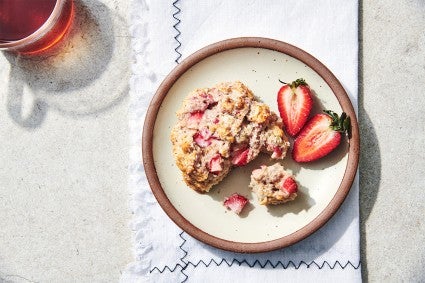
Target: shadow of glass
{"points": [[74, 77]]}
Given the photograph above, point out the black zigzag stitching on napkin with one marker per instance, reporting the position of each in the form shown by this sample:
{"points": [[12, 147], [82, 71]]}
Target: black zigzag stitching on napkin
{"points": [[175, 26], [276, 265], [256, 263], [170, 269], [182, 258], [181, 248]]}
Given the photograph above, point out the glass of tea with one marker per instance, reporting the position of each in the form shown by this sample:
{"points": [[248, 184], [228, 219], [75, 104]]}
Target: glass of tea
{"points": [[33, 26]]}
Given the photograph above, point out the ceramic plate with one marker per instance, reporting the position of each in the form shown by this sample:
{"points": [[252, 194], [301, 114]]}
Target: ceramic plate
{"points": [[323, 185]]}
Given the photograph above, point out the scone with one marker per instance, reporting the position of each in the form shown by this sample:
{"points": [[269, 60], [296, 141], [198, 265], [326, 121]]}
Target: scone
{"points": [[273, 185], [222, 127]]}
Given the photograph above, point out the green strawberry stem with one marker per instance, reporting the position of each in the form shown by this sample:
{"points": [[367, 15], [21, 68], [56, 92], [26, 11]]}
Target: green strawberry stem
{"points": [[298, 82], [340, 124], [295, 83]]}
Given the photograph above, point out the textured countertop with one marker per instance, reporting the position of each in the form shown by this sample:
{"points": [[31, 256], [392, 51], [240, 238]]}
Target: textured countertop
{"points": [[392, 164], [64, 133]]}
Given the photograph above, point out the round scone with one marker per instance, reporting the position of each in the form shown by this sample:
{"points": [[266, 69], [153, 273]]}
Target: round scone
{"points": [[221, 127], [273, 185]]}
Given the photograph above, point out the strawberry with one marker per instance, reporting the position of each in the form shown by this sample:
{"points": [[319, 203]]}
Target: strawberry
{"points": [[203, 137], [290, 185], [200, 140], [294, 102], [215, 164], [235, 203], [240, 157], [320, 136], [277, 152], [195, 117]]}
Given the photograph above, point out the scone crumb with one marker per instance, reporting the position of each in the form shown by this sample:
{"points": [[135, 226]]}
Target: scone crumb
{"points": [[273, 185]]}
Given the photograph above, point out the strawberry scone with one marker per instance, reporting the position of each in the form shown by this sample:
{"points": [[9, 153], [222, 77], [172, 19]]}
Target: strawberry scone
{"points": [[273, 185], [222, 127]]}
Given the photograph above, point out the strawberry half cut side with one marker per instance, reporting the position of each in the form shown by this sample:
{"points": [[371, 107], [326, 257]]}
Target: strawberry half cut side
{"points": [[235, 203], [320, 136], [294, 102]]}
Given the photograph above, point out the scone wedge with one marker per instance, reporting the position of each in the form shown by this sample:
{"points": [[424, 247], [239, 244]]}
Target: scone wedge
{"points": [[222, 127]]}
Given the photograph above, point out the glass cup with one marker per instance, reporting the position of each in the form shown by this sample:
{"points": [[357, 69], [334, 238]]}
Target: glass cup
{"points": [[33, 26]]}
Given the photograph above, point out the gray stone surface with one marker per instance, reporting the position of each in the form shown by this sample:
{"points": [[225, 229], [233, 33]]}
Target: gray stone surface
{"points": [[392, 165], [64, 152], [63, 132]]}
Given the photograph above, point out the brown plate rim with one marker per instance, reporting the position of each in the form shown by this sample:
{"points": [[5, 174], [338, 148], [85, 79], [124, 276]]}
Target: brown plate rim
{"points": [[250, 42]]}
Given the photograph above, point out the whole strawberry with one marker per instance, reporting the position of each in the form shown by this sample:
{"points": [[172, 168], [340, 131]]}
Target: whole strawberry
{"points": [[294, 102], [320, 136]]}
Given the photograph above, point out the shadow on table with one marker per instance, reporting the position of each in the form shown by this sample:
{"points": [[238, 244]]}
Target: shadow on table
{"points": [[72, 77], [370, 158]]}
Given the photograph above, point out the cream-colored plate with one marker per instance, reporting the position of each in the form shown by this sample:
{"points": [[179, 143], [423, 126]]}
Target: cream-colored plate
{"points": [[260, 68]]}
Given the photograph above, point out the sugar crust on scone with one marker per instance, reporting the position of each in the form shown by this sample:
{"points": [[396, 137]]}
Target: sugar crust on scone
{"points": [[268, 183], [222, 127]]}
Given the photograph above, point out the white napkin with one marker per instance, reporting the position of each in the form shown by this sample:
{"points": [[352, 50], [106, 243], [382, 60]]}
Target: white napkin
{"points": [[164, 33]]}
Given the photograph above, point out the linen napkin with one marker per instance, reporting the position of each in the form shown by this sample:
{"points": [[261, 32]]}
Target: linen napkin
{"points": [[164, 33]]}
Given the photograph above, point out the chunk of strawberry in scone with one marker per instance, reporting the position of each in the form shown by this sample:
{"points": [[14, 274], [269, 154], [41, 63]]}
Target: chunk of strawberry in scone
{"points": [[273, 185], [195, 118], [235, 203], [215, 164], [277, 152], [201, 140], [240, 156], [290, 185]]}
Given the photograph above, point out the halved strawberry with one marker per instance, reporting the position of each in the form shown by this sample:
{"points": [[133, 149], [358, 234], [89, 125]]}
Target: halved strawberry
{"points": [[290, 185], [240, 157], [215, 164], [294, 102], [320, 136], [235, 203]]}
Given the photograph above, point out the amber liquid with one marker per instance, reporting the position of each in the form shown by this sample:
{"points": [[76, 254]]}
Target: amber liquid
{"points": [[21, 18]]}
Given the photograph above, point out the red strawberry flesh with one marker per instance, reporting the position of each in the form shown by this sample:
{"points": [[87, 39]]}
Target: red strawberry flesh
{"points": [[205, 133], [240, 157], [290, 185], [200, 140], [277, 152], [316, 140], [215, 164], [195, 118], [294, 102], [235, 203]]}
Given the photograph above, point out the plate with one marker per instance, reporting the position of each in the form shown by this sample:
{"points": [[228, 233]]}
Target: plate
{"points": [[259, 63]]}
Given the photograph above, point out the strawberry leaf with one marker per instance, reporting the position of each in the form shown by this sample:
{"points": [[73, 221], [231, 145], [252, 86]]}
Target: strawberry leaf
{"points": [[298, 82], [340, 124]]}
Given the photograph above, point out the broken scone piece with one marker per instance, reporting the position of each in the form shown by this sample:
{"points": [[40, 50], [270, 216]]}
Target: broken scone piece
{"points": [[222, 127], [273, 185]]}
